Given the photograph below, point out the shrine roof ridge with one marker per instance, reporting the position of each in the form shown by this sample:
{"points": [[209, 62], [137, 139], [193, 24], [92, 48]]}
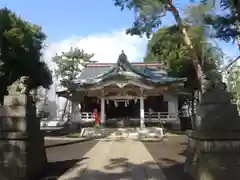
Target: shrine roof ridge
{"points": [[137, 64]]}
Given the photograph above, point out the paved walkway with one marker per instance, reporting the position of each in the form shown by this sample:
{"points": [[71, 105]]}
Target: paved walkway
{"points": [[116, 160]]}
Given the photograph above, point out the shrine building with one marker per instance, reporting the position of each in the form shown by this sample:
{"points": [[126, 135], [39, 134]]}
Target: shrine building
{"points": [[131, 92]]}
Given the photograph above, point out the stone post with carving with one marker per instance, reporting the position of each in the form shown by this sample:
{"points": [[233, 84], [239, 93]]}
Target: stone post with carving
{"points": [[214, 145], [22, 152]]}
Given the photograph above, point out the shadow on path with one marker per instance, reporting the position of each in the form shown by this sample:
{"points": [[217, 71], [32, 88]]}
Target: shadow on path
{"points": [[62, 156], [120, 168], [170, 156], [55, 169], [174, 170]]}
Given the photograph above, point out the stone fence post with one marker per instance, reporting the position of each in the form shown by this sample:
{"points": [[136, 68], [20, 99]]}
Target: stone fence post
{"points": [[22, 152]]}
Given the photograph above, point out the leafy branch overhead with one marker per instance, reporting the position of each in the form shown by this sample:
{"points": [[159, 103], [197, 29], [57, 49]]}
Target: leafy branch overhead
{"points": [[148, 14], [70, 63], [225, 25]]}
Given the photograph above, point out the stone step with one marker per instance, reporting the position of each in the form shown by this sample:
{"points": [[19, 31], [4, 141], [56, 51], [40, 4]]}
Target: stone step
{"points": [[96, 132], [131, 133]]}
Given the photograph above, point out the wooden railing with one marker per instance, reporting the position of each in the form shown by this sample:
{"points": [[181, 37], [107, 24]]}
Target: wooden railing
{"points": [[160, 116], [149, 117], [87, 116]]}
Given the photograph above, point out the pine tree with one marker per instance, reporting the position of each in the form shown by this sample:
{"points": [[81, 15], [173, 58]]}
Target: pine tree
{"points": [[69, 67]]}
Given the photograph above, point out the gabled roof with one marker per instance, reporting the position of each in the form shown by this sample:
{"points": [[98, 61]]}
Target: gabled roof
{"points": [[124, 70], [94, 69]]}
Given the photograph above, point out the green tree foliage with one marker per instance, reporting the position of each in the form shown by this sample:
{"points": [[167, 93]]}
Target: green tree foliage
{"points": [[148, 13], [167, 46], [69, 64], [148, 18], [225, 25], [234, 83], [21, 46]]}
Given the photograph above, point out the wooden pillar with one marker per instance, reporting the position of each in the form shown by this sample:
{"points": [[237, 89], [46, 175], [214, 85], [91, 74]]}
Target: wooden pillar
{"points": [[173, 110], [102, 109], [142, 120], [172, 103]]}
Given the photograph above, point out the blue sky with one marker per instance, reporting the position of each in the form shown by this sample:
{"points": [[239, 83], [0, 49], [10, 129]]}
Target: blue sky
{"points": [[63, 19]]}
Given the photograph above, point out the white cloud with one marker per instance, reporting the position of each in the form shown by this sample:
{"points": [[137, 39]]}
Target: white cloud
{"points": [[106, 48]]}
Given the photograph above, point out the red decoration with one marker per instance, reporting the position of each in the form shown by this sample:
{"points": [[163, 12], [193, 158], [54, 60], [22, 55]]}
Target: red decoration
{"points": [[96, 116]]}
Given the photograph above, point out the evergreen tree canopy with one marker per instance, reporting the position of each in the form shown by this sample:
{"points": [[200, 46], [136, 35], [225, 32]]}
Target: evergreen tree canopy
{"points": [[21, 46], [70, 63]]}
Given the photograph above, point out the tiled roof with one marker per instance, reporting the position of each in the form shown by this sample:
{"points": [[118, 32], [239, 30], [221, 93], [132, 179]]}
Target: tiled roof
{"points": [[95, 74], [91, 72], [95, 69]]}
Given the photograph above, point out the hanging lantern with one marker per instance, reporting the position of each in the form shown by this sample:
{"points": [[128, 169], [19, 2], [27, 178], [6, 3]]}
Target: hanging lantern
{"points": [[115, 103], [107, 101], [135, 101], [125, 104]]}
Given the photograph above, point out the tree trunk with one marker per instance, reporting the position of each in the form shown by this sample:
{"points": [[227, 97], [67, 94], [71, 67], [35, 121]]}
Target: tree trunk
{"points": [[195, 61], [188, 42]]}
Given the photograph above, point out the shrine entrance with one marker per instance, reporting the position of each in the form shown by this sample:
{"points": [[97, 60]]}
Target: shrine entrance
{"points": [[122, 109]]}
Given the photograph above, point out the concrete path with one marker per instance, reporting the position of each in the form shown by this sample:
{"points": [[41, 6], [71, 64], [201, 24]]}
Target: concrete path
{"points": [[116, 160]]}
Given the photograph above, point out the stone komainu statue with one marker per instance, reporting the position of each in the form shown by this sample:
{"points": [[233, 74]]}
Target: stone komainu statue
{"points": [[20, 86]]}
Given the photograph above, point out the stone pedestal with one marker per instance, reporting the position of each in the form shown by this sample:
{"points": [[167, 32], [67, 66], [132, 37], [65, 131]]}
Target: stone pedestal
{"points": [[213, 156], [22, 152], [214, 145]]}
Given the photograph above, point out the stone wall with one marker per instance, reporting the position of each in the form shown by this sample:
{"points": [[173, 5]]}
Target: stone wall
{"points": [[22, 153]]}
